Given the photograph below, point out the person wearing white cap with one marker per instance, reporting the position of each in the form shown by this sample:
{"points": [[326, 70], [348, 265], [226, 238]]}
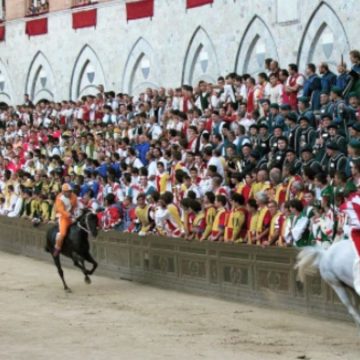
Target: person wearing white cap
{"points": [[65, 205]]}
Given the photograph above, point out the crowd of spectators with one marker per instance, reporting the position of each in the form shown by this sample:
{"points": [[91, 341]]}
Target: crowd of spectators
{"points": [[267, 160], [37, 7]]}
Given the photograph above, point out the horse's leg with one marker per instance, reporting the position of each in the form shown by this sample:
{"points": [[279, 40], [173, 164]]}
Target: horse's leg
{"points": [[92, 261], [79, 262], [61, 272], [345, 299]]}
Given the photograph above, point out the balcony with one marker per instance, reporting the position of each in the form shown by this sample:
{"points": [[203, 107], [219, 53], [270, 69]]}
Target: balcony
{"points": [[81, 3], [37, 7]]}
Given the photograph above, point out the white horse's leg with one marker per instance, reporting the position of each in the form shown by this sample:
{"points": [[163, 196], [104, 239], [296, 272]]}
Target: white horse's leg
{"points": [[345, 299], [357, 276]]}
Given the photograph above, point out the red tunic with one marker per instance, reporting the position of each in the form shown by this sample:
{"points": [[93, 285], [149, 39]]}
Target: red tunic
{"points": [[250, 106]]}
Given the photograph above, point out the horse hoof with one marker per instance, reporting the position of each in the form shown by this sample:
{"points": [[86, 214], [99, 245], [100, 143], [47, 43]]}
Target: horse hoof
{"points": [[68, 290], [87, 280]]}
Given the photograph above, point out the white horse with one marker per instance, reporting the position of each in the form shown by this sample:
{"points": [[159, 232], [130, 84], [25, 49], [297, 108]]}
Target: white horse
{"points": [[337, 266]]}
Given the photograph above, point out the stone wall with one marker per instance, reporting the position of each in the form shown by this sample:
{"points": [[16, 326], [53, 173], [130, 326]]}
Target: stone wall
{"points": [[175, 46], [241, 273]]}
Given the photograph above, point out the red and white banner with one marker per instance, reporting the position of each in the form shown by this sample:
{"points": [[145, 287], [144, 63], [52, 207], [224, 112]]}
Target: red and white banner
{"points": [[195, 3], [138, 9]]}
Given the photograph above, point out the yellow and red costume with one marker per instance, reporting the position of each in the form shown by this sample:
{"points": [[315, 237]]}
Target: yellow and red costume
{"points": [[219, 221], [236, 225]]}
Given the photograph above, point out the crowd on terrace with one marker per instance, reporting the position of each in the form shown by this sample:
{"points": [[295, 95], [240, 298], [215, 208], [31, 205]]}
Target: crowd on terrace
{"points": [[265, 160], [37, 7]]}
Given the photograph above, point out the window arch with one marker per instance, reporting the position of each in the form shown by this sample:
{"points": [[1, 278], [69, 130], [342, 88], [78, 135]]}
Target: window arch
{"points": [[40, 82], [324, 38], [200, 61], [6, 90], [256, 44], [87, 74], [141, 69]]}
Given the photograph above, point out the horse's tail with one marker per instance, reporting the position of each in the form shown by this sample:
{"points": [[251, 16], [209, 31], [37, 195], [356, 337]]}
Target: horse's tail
{"points": [[308, 261]]}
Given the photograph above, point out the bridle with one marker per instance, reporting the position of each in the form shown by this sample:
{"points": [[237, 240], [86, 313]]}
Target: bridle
{"points": [[86, 227]]}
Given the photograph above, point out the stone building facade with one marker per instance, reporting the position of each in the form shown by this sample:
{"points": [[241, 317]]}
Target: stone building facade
{"points": [[176, 46]]}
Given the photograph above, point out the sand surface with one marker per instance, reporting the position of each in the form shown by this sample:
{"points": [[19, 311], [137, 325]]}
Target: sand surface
{"points": [[112, 319]]}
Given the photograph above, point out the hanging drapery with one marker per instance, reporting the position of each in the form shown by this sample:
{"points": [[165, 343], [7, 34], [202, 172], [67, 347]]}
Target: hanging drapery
{"points": [[83, 19], [36, 27], [2, 32], [195, 3], [137, 9]]}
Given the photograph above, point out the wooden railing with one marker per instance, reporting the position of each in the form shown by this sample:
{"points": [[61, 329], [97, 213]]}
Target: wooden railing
{"points": [[237, 272]]}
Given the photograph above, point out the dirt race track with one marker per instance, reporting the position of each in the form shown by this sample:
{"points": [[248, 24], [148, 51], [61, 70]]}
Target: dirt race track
{"points": [[121, 320]]}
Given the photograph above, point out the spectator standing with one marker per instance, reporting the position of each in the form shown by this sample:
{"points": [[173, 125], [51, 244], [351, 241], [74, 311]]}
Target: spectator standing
{"points": [[328, 78], [312, 87]]}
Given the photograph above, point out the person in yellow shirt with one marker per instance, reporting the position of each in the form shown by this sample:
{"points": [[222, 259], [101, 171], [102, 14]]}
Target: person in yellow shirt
{"points": [[236, 224], [264, 218], [209, 215], [143, 214], [252, 209], [167, 217], [163, 181], [277, 220], [191, 208], [40, 209], [261, 183], [218, 228]]}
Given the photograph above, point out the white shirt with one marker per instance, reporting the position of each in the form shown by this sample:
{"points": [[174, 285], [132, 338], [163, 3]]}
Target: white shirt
{"points": [[219, 166], [276, 94], [294, 232], [135, 163], [17, 208], [155, 131]]}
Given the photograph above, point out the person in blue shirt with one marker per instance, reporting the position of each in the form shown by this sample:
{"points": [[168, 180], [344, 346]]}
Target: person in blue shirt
{"points": [[305, 110], [343, 77], [275, 119], [142, 149], [353, 155], [328, 78], [84, 187], [355, 69], [355, 60], [312, 87], [115, 165], [103, 168]]}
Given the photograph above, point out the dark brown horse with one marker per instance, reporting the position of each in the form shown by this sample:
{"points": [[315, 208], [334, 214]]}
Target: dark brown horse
{"points": [[76, 245]]}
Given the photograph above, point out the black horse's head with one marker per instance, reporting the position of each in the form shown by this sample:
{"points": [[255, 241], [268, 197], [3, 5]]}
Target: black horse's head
{"points": [[89, 222]]}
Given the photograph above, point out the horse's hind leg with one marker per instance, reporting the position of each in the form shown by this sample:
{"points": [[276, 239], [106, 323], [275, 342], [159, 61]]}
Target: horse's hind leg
{"points": [[92, 261], [345, 299], [79, 262], [61, 272]]}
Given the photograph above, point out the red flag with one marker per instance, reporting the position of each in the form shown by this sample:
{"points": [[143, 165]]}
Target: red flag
{"points": [[86, 18], [195, 3], [2, 32], [36, 27], [137, 9]]}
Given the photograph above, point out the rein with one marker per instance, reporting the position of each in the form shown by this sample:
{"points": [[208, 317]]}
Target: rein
{"points": [[86, 227]]}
